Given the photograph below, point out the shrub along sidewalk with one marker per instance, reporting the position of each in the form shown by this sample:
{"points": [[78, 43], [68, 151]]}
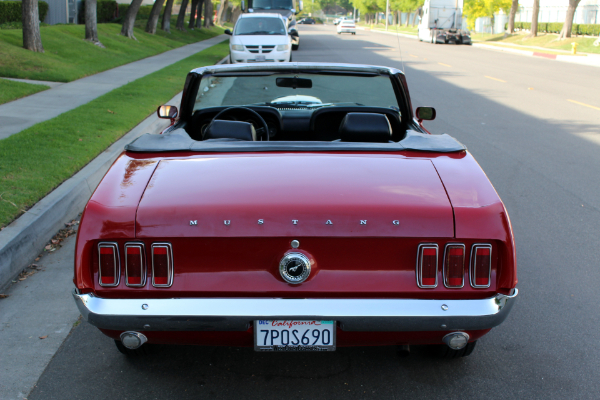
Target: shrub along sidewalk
{"points": [[38, 159], [69, 57], [543, 42], [11, 90]]}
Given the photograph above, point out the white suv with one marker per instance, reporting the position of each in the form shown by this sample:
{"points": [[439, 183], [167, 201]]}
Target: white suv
{"points": [[260, 37]]}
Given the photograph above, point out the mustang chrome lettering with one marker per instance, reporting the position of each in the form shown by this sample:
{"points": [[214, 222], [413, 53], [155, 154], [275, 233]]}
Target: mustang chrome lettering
{"points": [[363, 221], [295, 221], [260, 221], [396, 222], [328, 222], [227, 222], [193, 222]]}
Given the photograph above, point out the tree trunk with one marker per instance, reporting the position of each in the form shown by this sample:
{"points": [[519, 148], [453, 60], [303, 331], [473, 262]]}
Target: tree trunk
{"points": [[181, 16], [199, 14], [91, 21], [166, 19], [208, 14], [415, 17], [568, 25], [129, 20], [534, 18], [235, 14], [221, 13], [192, 22], [511, 17], [31, 26], [407, 18], [154, 14]]}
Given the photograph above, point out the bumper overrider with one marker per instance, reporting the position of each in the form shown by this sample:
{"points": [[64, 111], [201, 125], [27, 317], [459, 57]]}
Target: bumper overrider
{"points": [[237, 314]]}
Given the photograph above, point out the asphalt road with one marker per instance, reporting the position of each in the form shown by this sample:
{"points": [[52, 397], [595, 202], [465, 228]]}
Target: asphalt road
{"points": [[540, 150]]}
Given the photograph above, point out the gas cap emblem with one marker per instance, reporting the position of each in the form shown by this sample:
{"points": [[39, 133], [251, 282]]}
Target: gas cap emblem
{"points": [[294, 268]]}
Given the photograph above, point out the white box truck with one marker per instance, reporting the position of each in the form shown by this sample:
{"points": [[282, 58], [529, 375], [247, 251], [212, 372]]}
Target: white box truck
{"points": [[441, 22]]}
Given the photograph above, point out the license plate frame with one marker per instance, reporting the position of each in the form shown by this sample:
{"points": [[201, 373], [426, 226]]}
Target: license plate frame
{"points": [[261, 58], [303, 328]]}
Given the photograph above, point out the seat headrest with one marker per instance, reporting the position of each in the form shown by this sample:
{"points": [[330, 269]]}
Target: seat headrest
{"points": [[221, 129], [365, 127]]}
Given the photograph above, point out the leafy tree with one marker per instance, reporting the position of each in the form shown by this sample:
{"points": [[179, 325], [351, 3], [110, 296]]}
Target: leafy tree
{"points": [[192, 22], [568, 25], [91, 22], [166, 19], [511, 17], [534, 18], [474, 9], [30, 15], [181, 16]]}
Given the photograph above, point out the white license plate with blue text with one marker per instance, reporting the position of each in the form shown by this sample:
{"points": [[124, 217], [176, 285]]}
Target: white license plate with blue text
{"points": [[288, 335]]}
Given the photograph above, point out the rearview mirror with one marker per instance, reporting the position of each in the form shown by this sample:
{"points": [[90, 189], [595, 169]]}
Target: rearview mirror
{"points": [[294, 83], [293, 32], [425, 113], [167, 112], [228, 32]]}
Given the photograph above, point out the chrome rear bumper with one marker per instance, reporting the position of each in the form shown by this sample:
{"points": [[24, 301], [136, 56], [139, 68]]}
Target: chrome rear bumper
{"points": [[375, 315]]}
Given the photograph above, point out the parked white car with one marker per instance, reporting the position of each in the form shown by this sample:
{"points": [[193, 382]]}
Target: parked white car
{"points": [[260, 37], [346, 26]]}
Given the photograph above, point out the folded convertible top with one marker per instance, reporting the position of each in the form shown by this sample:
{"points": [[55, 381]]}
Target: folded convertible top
{"points": [[179, 140]]}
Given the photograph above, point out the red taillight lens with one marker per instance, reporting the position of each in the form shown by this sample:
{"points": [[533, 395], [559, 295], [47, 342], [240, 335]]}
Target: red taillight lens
{"points": [[481, 265], [454, 266], [162, 265], [135, 268], [427, 260], [108, 266]]}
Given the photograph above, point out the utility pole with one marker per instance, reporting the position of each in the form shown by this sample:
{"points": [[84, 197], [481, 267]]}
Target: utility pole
{"points": [[387, 10]]}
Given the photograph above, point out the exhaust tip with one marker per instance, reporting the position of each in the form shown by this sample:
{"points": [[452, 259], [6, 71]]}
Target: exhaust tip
{"points": [[456, 340], [133, 340]]}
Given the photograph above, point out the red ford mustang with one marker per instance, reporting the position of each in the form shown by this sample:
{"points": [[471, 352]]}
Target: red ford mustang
{"points": [[295, 207]]}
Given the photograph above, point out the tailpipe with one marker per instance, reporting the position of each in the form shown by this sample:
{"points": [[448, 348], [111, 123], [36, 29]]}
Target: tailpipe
{"points": [[456, 340], [133, 340]]}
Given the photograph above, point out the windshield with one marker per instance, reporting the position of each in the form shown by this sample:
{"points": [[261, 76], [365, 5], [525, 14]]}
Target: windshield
{"points": [[313, 91], [259, 26], [272, 4]]}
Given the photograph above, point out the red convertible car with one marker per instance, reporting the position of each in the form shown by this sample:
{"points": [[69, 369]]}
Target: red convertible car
{"points": [[295, 207]]}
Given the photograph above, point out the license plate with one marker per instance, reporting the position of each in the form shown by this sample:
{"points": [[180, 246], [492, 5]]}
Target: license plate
{"points": [[261, 58], [294, 335]]}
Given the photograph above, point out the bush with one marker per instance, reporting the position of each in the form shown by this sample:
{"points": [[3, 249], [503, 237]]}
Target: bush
{"points": [[106, 11], [10, 11], [556, 27]]}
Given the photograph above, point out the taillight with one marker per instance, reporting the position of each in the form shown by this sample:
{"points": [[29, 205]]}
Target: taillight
{"points": [[135, 267], [427, 261], [109, 268], [454, 265], [481, 265], [162, 265]]}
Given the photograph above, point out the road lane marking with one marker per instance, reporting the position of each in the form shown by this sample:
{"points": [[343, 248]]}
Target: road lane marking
{"points": [[412, 55], [445, 65], [583, 104], [495, 79]]}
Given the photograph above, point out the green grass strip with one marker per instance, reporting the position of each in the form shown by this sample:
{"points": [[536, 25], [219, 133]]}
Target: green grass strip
{"points": [[11, 90], [35, 161], [68, 57]]}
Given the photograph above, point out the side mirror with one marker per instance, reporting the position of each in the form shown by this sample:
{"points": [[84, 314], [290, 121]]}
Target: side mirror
{"points": [[300, 5], [425, 113], [243, 6], [228, 32], [167, 112], [293, 32]]}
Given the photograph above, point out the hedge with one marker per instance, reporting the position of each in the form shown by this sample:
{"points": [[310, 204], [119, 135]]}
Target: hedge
{"points": [[556, 27], [10, 11]]}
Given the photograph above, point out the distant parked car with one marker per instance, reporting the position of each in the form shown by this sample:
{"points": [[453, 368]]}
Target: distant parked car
{"points": [[306, 21], [340, 19], [260, 37], [346, 26]]}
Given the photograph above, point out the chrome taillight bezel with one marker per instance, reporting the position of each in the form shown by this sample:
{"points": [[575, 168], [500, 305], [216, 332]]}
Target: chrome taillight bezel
{"points": [[419, 271], [472, 265], [143, 263], [444, 265], [170, 267], [117, 267]]}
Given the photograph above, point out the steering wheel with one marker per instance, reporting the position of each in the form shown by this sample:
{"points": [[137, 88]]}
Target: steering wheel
{"points": [[263, 132]]}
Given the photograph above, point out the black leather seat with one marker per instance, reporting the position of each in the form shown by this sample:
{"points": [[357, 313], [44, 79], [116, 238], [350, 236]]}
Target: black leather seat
{"points": [[365, 127], [221, 129]]}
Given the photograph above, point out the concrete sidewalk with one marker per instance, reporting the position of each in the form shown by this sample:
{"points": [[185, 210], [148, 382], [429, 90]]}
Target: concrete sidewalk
{"points": [[18, 115]]}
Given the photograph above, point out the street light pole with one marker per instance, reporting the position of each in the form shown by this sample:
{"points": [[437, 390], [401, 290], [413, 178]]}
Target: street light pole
{"points": [[387, 16]]}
